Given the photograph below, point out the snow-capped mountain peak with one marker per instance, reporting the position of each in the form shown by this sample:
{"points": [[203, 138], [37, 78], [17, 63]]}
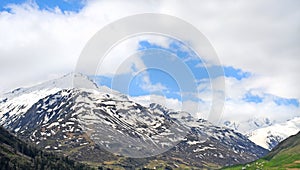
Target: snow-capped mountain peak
{"points": [[72, 112], [268, 137], [248, 125], [15, 103]]}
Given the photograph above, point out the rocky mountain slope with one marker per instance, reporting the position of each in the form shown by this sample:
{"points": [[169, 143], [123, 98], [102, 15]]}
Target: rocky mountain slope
{"points": [[89, 124], [16, 154]]}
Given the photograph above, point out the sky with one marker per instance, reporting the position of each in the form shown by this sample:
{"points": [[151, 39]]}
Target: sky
{"points": [[257, 43]]}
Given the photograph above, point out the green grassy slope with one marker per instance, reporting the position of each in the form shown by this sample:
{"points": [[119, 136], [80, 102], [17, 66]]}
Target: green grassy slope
{"points": [[284, 156]]}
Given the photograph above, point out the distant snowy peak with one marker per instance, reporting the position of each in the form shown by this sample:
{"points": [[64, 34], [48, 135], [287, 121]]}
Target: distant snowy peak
{"points": [[264, 131], [248, 125], [269, 137]]}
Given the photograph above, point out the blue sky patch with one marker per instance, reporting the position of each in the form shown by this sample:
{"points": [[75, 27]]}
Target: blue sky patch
{"points": [[175, 47], [176, 59], [283, 101], [102, 80], [193, 61], [135, 86], [181, 63], [236, 73], [252, 98], [64, 5]]}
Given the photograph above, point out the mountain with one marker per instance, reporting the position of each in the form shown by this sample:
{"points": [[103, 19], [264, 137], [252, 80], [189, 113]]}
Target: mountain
{"points": [[248, 125], [16, 154], [286, 155], [18, 101], [268, 137], [99, 126]]}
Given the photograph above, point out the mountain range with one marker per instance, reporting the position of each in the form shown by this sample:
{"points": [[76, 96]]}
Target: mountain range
{"points": [[266, 133], [102, 127], [270, 136]]}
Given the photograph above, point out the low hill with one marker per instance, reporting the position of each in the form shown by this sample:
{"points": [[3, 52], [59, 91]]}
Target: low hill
{"points": [[286, 155]]}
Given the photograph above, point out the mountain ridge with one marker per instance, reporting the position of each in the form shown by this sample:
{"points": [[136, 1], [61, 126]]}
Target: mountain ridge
{"points": [[73, 120], [268, 137]]}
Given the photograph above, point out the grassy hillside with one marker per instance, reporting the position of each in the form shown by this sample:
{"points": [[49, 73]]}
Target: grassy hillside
{"points": [[285, 155], [16, 154]]}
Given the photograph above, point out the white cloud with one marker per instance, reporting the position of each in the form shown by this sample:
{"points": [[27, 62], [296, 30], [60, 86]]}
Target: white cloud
{"points": [[168, 102], [147, 85], [125, 53], [258, 36], [37, 43], [240, 111], [261, 37], [120, 59]]}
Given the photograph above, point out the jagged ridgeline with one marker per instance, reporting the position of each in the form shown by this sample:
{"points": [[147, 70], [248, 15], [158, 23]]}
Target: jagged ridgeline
{"points": [[70, 121]]}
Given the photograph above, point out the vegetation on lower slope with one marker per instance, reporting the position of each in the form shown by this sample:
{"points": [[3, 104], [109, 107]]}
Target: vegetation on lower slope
{"points": [[16, 154], [286, 155]]}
